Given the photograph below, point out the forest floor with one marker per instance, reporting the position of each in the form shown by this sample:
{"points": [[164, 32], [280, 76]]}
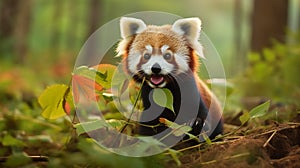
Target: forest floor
{"points": [[24, 133], [272, 145]]}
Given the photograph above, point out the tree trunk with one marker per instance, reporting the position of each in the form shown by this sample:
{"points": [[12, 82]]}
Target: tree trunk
{"points": [[94, 23], [8, 14], [56, 36], [73, 15], [94, 16], [238, 52], [21, 30], [269, 22]]}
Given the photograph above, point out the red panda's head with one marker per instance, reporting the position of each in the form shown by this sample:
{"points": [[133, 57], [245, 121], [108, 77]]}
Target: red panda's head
{"points": [[157, 52]]}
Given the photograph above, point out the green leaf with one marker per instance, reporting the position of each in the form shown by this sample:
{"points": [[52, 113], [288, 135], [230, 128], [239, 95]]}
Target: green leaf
{"points": [[244, 118], [108, 71], [90, 73], [8, 140], [118, 124], [178, 130], [163, 97], [151, 141], [192, 136], [90, 126], [257, 111], [101, 74], [260, 110], [206, 138], [51, 101], [18, 159], [182, 130]]}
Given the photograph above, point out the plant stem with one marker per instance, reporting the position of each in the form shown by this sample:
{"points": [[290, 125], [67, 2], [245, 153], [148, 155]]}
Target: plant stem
{"points": [[132, 110], [131, 113]]}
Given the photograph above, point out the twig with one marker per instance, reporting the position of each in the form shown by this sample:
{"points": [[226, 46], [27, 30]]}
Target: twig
{"points": [[226, 158], [269, 139], [293, 126], [293, 123], [191, 147], [131, 113], [132, 110], [33, 158]]}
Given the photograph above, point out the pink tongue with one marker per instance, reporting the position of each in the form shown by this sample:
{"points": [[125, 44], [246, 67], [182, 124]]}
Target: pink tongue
{"points": [[156, 79]]}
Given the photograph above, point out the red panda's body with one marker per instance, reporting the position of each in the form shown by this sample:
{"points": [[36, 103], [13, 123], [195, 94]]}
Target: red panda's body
{"points": [[167, 57]]}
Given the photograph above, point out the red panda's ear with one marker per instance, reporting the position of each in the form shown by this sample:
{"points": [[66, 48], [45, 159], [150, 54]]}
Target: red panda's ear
{"points": [[190, 28], [130, 26]]}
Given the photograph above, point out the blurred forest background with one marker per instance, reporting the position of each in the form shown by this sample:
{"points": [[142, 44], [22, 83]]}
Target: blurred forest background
{"points": [[44, 37], [258, 41], [32, 30]]}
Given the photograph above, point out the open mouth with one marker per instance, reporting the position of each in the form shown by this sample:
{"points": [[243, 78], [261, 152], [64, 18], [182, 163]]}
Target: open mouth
{"points": [[157, 80]]}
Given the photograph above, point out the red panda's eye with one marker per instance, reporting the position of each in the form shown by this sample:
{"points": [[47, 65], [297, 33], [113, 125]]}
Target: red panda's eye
{"points": [[147, 56], [167, 56]]}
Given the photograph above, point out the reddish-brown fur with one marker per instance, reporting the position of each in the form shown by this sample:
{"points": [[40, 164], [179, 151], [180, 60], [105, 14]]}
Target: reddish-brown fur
{"points": [[176, 43], [157, 37]]}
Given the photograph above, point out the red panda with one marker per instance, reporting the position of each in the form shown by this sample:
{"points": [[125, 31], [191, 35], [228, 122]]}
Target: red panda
{"points": [[167, 57]]}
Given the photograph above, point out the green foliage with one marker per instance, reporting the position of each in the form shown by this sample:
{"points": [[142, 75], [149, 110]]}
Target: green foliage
{"points": [[90, 126], [52, 101], [17, 160], [101, 74], [273, 74], [93, 84], [244, 118], [24, 132], [178, 130], [90, 73], [260, 110], [99, 157], [257, 111], [8, 140], [164, 98]]}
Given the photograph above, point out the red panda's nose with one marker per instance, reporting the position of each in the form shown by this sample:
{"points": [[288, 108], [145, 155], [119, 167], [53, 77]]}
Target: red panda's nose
{"points": [[156, 68]]}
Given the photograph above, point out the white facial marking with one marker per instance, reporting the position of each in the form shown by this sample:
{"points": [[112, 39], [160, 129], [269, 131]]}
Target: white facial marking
{"points": [[133, 60], [182, 61], [165, 66], [149, 48], [164, 48]]}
